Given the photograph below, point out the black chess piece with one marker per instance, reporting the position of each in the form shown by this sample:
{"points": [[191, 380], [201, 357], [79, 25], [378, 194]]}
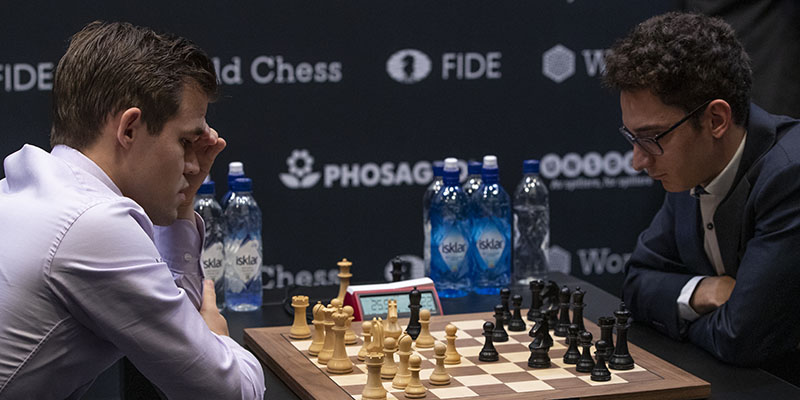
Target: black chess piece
{"points": [[397, 269], [621, 358], [499, 333], [535, 311], [600, 373], [505, 294], [586, 362], [516, 324], [552, 317], [572, 355], [414, 326], [540, 326], [539, 349], [577, 308], [606, 329], [563, 319], [488, 352]]}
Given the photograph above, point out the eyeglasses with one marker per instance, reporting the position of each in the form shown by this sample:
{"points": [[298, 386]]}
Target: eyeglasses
{"points": [[650, 144]]}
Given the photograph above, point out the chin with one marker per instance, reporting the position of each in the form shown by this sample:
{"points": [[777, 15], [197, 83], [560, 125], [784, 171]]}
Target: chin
{"points": [[164, 218]]}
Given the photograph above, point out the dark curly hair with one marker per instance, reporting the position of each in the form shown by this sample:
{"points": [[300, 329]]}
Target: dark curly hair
{"points": [[109, 67], [685, 59]]}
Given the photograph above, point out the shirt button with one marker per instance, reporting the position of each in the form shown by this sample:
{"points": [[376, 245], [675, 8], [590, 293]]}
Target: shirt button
{"points": [[710, 226], [187, 257]]}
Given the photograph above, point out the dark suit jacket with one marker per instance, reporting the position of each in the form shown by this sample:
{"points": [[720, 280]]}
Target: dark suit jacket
{"points": [[758, 229]]}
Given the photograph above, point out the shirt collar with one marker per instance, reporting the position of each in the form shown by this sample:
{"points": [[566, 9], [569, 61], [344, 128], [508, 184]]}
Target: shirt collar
{"points": [[722, 183], [78, 159]]}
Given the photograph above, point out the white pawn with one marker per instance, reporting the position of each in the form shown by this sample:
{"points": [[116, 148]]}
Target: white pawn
{"points": [[389, 368], [403, 375], [440, 376], [425, 340], [414, 389], [365, 329], [451, 355], [349, 336]]}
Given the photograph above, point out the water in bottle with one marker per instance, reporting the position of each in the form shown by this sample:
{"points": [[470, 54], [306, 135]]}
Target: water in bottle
{"points": [[243, 249], [450, 229], [235, 171], [212, 258], [474, 180], [531, 225], [491, 232], [433, 188]]}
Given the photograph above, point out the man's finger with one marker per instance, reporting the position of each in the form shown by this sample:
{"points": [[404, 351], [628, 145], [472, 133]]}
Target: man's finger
{"points": [[209, 295]]}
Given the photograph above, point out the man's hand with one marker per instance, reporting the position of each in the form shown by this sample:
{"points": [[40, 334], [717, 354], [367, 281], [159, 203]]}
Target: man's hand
{"points": [[208, 310], [205, 149], [711, 293]]}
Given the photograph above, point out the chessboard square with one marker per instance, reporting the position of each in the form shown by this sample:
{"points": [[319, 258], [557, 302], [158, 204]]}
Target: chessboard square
{"points": [[507, 347], [567, 383], [349, 380], [469, 351], [352, 351], [474, 333], [639, 376], [475, 324], [440, 335], [529, 386], [559, 360], [521, 356], [477, 380], [551, 373], [388, 386], [493, 390], [453, 392], [557, 346], [614, 380], [458, 370], [499, 368], [521, 337], [468, 342], [362, 367], [636, 368], [301, 345], [425, 374]]}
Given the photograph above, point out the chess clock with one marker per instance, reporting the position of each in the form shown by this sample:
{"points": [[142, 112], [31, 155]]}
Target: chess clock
{"points": [[370, 301]]}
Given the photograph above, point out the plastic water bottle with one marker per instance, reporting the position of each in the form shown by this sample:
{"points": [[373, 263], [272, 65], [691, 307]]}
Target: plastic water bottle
{"points": [[531, 225], [450, 265], [491, 232], [433, 188], [243, 249], [235, 171], [474, 180], [213, 257]]}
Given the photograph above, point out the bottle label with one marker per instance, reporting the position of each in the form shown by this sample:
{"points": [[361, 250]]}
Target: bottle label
{"points": [[211, 261], [247, 263], [490, 245], [453, 249]]}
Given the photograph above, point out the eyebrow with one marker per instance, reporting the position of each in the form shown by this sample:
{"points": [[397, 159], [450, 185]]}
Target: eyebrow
{"points": [[655, 129], [197, 131]]}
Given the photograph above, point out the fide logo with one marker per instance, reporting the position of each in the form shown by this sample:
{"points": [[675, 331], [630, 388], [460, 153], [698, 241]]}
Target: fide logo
{"points": [[408, 66], [300, 174], [558, 63]]}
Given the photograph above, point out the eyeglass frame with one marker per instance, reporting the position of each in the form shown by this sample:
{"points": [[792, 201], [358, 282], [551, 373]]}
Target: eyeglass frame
{"points": [[633, 140]]}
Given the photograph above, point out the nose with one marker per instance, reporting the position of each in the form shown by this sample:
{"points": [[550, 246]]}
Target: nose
{"points": [[641, 159], [191, 165]]}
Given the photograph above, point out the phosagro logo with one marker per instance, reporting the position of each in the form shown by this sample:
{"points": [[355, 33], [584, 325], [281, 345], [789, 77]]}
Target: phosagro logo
{"points": [[408, 66], [300, 174], [592, 171], [559, 62]]}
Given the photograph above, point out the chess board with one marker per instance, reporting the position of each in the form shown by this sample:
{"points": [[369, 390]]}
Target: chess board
{"points": [[508, 378]]}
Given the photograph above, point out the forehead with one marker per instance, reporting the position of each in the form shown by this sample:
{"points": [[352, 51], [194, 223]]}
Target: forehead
{"points": [[641, 109]]}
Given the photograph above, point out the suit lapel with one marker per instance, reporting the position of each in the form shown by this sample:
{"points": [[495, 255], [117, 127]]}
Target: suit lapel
{"points": [[689, 236]]}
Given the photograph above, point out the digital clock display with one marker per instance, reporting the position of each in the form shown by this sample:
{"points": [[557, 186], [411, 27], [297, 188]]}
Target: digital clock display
{"points": [[378, 305]]}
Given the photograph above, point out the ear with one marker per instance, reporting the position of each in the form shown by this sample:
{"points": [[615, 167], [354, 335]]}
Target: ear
{"points": [[130, 127], [721, 121]]}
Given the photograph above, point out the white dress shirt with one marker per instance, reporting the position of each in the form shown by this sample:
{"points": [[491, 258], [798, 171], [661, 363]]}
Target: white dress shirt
{"points": [[85, 278]]}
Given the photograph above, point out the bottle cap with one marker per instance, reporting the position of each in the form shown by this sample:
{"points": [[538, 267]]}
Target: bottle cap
{"points": [[236, 168], [207, 187], [489, 162], [530, 167], [242, 185], [489, 172], [450, 164], [438, 168], [474, 168]]}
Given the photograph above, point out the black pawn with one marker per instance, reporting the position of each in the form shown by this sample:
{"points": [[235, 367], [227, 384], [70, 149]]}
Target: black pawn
{"points": [[535, 311], [517, 324], [488, 353], [505, 294], [414, 326], [586, 362], [397, 269], [499, 333], [577, 308], [544, 337], [621, 359], [600, 373], [606, 328], [572, 355], [563, 319]]}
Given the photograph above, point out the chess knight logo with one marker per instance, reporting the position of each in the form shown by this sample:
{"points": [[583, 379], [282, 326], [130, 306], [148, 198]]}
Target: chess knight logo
{"points": [[408, 66], [300, 174], [558, 63]]}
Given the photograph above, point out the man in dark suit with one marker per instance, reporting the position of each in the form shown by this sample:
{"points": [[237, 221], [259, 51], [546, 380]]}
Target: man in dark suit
{"points": [[720, 262]]}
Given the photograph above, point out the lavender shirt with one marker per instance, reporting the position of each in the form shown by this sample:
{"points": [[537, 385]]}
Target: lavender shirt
{"points": [[86, 278]]}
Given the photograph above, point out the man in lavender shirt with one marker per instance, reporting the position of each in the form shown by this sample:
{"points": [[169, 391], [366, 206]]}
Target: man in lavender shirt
{"points": [[99, 245]]}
